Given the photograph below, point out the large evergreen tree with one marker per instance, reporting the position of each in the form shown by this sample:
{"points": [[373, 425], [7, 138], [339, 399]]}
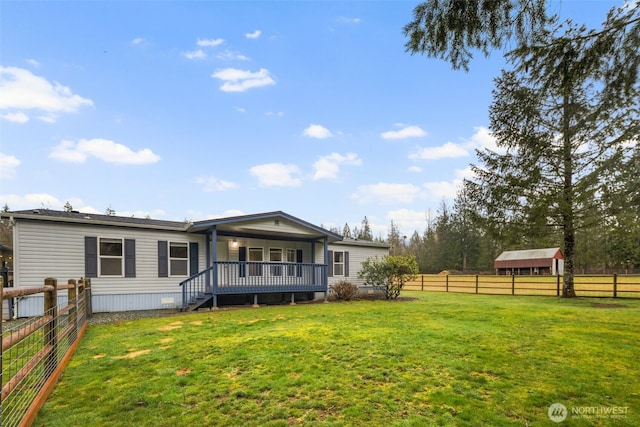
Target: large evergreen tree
{"points": [[452, 30], [564, 117]]}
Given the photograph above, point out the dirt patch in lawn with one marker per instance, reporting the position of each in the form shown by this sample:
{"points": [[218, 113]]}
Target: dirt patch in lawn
{"points": [[603, 305], [171, 326], [133, 354]]}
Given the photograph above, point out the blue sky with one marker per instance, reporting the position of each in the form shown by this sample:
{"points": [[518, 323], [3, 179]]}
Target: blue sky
{"points": [[192, 110]]}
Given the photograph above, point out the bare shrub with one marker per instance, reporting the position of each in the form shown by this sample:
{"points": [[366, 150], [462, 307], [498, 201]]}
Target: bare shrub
{"points": [[344, 290]]}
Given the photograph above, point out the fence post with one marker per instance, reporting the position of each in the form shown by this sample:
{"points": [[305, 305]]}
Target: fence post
{"points": [[1, 335], [87, 298], [476, 283], [558, 285], [50, 338], [513, 284], [446, 283], [72, 300], [615, 286], [422, 280]]}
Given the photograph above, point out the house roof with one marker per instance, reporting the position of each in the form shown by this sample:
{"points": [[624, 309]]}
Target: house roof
{"points": [[530, 254], [273, 224], [96, 219], [368, 243]]}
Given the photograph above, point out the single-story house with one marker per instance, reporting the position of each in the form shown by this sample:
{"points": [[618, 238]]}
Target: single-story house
{"points": [[548, 261], [142, 264]]}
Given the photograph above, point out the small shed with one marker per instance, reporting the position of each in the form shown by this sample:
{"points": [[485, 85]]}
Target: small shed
{"points": [[548, 261]]}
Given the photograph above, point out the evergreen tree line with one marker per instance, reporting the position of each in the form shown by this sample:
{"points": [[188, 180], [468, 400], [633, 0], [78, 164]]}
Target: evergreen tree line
{"points": [[458, 238]]}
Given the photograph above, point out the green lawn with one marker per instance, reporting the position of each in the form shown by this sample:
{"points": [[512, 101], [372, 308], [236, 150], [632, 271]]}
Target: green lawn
{"points": [[442, 359]]}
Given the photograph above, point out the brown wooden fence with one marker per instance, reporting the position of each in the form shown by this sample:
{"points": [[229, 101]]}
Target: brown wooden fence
{"points": [[35, 351], [612, 286]]}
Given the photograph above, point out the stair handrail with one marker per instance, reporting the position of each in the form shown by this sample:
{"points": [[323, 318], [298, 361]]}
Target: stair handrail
{"points": [[194, 285]]}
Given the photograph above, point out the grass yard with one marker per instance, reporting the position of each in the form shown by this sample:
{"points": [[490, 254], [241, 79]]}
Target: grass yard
{"points": [[441, 359]]}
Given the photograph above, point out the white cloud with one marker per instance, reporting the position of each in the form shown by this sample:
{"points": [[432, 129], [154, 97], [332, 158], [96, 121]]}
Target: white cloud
{"points": [[226, 214], [482, 138], [240, 109], [18, 117], [317, 131], [345, 20], [274, 114], [33, 63], [43, 200], [236, 80], [443, 189], [446, 151], [229, 55], [277, 175], [385, 193], [211, 183], [466, 173], [8, 166], [415, 169], [408, 220], [209, 42], [103, 149], [47, 119], [20, 90], [195, 54], [254, 35], [448, 189], [328, 167], [138, 41], [28, 201], [406, 132]]}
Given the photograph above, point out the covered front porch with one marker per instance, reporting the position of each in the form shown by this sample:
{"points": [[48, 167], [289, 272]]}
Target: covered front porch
{"points": [[258, 254]]}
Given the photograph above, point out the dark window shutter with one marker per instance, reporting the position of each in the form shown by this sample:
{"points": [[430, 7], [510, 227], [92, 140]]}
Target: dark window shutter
{"points": [[193, 258], [299, 261], [346, 264], [129, 258], [242, 258], [90, 256], [330, 262], [163, 259]]}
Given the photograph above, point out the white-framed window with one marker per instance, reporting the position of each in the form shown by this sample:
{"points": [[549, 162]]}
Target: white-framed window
{"points": [[291, 258], [338, 263], [111, 256], [178, 259], [275, 255], [255, 256]]}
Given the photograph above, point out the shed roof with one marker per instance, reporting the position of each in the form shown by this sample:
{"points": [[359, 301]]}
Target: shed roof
{"points": [[547, 253]]}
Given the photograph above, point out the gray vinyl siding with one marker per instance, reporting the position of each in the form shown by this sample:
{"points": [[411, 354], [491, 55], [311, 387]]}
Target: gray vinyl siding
{"points": [[357, 255], [57, 250], [33, 305]]}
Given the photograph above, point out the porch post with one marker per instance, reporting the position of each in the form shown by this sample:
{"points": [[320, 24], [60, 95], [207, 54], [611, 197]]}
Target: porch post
{"points": [[207, 246], [313, 261], [214, 259], [325, 273]]}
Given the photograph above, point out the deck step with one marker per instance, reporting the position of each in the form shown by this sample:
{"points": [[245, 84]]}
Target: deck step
{"points": [[199, 302]]}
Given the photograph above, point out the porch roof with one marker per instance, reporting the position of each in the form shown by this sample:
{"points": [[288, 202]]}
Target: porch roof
{"points": [[268, 224]]}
